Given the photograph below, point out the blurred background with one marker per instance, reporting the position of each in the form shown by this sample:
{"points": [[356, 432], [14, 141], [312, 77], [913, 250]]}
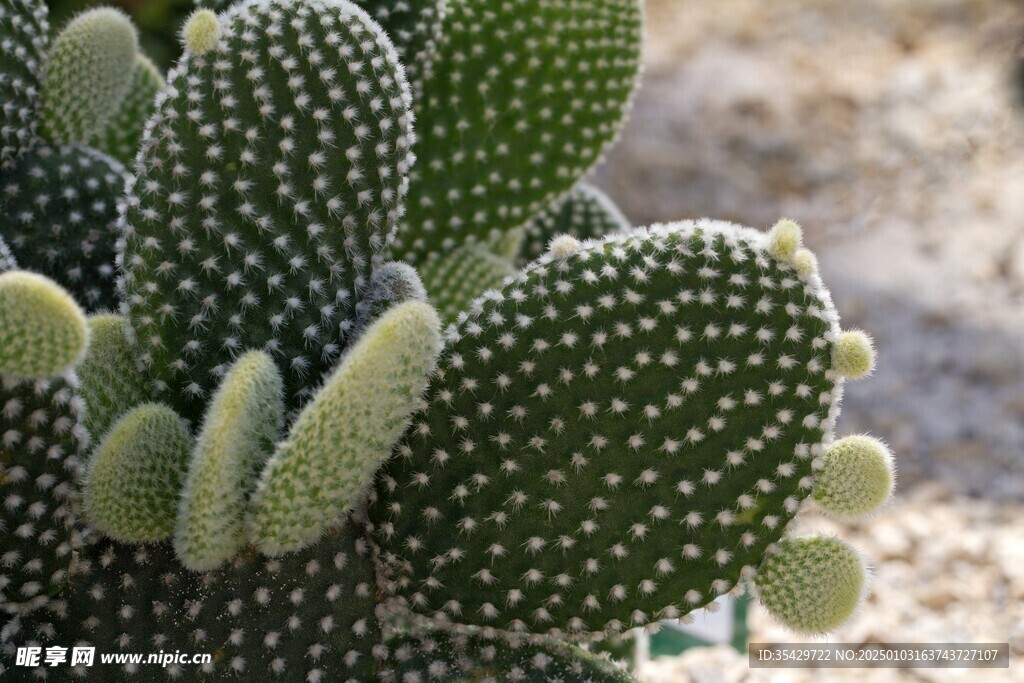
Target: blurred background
{"points": [[893, 131]]}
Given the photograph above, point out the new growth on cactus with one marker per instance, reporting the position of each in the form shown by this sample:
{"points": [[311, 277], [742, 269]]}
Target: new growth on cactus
{"points": [[276, 454]]}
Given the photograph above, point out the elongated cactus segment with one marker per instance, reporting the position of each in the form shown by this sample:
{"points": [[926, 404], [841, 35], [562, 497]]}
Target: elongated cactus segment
{"points": [[458, 277], [585, 213], [7, 260], [109, 382], [88, 73], [856, 478], [273, 177], [121, 137], [58, 210], [307, 616], [390, 285], [24, 36], [347, 431], [518, 101], [41, 441], [468, 658], [669, 383], [136, 473], [242, 424], [812, 585], [42, 330]]}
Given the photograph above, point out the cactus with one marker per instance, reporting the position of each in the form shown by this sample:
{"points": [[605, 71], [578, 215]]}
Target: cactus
{"points": [[60, 215], [584, 213], [109, 382], [456, 278], [136, 473], [290, 472], [88, 73], [231, 231], [7, 260], [122, 135], [513, 111], [24, 36], [42, 331]]}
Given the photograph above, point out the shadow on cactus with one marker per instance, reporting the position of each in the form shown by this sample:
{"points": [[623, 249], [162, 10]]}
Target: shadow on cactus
{"points": [[277, 456]]}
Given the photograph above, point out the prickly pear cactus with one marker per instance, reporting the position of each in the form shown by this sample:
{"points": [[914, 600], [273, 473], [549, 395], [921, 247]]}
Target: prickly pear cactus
{"points": [[672, 380], [24, 35], [271, 181]]}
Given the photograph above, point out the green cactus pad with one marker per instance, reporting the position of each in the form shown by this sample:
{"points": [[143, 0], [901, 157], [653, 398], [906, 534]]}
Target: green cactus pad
{"points": [[457, 277], [614, 437], [474, 658], [390, 285], [88, 73], [136, 474], [24, 36], [414, 27], [307, 616], [518, 102], [58, 212], [584, 213], [43, 332], [109, 381], [812, 585], [857, 477], [242, 424], [350, 427], [41, 441], [272, 179], [123, 133]]}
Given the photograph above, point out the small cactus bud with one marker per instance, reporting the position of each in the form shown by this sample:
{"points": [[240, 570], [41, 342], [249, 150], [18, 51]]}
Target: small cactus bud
{"points": [[856, 478], [564, 246], [812, 585], [805, 263], [42, 330], [132, 486], [201, 32], [785, 239], [853, 355]]}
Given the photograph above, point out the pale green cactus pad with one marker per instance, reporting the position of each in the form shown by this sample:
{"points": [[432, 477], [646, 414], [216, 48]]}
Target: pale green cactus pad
{"points": [[857, 477], [136, 474], [585, 213], [123, 132], [320, 471], [88, 73], [812, 585], [518, 101], [272, 179], [41, 442], [457, 277], [58, 212], [43, 332], [615, 437], [474, 658], [24, 36], [242, 424]]}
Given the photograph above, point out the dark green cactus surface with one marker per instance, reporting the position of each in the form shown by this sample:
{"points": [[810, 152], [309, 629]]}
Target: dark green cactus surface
{"points": [[584, 213], [24, 37], [58, 212], [614, 437], [269, 187]]}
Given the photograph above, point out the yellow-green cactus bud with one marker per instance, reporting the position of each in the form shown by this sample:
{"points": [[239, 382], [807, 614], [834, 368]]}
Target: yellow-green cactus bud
{"points": [[785, 239], [201, 32], [853, 355], [88, 73], [109, 381], [856, 478], [242, 424], [134, 477], [340, 439], [42, 330], [812, 585], [805, 263]]}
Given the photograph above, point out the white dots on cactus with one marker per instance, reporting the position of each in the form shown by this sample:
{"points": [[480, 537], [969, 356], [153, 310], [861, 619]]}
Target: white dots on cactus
{"points": [[201, 32]]}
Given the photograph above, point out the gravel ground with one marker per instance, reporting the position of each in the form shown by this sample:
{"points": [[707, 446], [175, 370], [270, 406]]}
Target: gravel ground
{"points": [[892, 131]]}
